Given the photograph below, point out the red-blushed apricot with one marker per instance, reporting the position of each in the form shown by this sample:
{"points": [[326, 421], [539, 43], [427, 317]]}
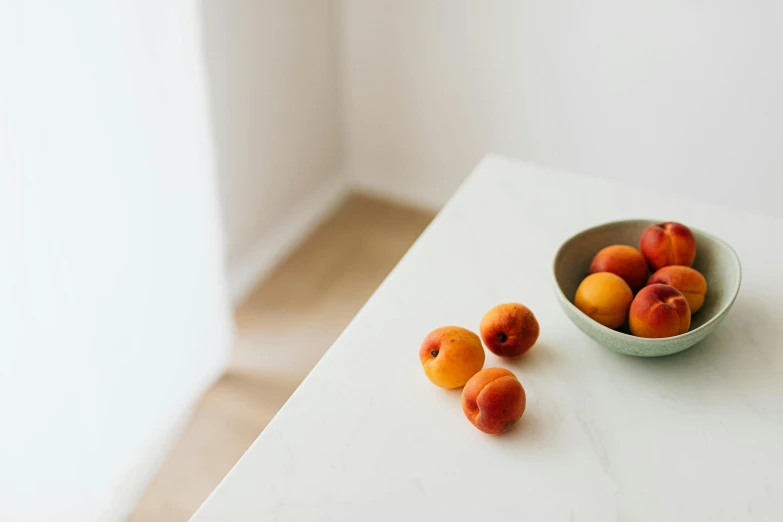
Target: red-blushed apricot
{"points": [[451, 355], [493, 400], [668, 244], [605, 298], [687, 280], [509, 329], [659, 311], [624, 261]]}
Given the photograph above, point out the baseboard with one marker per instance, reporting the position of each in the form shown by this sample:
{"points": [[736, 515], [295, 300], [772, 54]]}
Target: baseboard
{"points": [[426, 193], [292, 228]]}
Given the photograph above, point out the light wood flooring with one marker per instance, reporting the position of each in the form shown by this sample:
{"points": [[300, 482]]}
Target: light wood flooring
{"points": [[283, 329]]}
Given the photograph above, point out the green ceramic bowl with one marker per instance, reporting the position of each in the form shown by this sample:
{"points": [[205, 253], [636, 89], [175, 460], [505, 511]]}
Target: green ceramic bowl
{"points": [[715, 259]]}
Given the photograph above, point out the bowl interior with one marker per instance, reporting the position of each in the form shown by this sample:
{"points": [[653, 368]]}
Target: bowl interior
{"points": [[715, 259]]}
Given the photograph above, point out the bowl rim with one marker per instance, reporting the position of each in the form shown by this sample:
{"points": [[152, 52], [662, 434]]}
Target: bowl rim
{"points": [[646, 340]]}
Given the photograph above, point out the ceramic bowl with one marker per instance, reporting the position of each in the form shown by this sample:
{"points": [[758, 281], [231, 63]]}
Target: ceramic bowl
{"points": [[715, 259]]}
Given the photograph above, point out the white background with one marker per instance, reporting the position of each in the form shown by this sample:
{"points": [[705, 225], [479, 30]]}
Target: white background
{"points": [[113, 307], [273, 82], [683, 96]]}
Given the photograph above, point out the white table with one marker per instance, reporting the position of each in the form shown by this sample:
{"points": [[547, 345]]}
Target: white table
{"points": [[690, 437]]}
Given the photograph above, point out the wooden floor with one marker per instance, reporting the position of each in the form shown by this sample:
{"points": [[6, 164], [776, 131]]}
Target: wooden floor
{"points": [[283, 329]]}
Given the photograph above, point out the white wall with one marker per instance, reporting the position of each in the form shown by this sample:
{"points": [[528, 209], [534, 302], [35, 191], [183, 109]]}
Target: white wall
{"points": [[683, 95], [113, 308], [273, 71]]}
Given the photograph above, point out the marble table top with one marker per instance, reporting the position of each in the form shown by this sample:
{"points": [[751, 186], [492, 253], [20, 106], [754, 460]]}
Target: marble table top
{"points": [[606, 437]]}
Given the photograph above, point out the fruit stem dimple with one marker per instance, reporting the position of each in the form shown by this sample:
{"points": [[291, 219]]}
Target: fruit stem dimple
{"points": [[434, 353], [502, 337]]}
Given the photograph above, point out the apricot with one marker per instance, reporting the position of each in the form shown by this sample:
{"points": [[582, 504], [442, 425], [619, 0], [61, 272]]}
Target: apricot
{"points": [[659, 311], [509, 329], [493, 400], [668, 244], [605, 298], [624, 261], [687, 280], [451, 355]]}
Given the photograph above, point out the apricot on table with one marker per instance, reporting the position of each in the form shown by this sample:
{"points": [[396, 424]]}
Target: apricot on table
{"points": [[659, 311], [687, 280], [493, 400], [509, 329], [624, 261], [451, 355], [605, 298], [667, 244]]}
